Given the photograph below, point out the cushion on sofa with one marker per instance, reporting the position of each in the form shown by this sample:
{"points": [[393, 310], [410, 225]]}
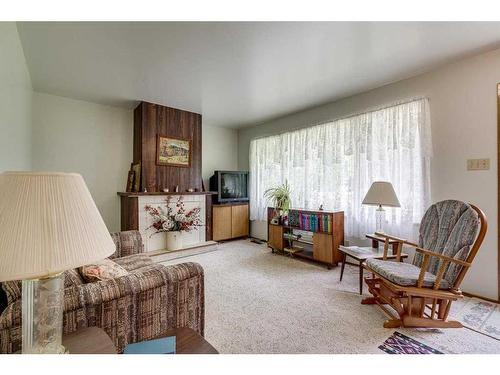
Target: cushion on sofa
{"points": [[133, 262], [403, 274], [103, 270], [72, 278]]}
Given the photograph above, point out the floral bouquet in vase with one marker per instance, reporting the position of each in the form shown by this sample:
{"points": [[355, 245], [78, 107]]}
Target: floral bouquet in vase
{"points": [[173, 221]]}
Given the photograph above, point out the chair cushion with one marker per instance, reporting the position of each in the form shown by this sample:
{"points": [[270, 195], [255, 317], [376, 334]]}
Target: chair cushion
{"points": [[403, 274], [450, 228]]}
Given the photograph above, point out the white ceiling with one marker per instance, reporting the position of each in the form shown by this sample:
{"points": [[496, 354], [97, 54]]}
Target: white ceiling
{"points": [[239, 74]]}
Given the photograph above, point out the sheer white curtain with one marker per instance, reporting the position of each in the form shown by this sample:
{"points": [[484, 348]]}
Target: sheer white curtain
{"points": [[335, 163]]}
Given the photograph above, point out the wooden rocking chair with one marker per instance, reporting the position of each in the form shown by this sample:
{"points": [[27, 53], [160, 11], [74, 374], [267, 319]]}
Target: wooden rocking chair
{"points": [[421, 293]]}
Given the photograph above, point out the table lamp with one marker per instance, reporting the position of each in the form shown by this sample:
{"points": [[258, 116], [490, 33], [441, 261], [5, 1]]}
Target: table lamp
{"points": [[381, 194], [48, 224]]}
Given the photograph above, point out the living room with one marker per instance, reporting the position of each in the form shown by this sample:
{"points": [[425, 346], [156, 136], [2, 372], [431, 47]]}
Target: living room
{"points": [[209, 187]]}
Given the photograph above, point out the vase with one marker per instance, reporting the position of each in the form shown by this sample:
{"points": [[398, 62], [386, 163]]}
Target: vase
{"points": [[174, 240]]}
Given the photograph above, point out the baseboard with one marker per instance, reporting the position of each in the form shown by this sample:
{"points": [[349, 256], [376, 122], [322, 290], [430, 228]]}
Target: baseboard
{"points": [[471, 295], [164, 256]]}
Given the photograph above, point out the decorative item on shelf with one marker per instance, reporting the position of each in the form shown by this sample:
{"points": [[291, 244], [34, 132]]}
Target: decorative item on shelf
{"points": [[320, 207], [173, 151], [166, 190], [279, 197], [130, 180], [202, 185], [145, 190], [380, 194], [176, 188], [39, 216], [173, 221], [190, 190], [137, 176]]}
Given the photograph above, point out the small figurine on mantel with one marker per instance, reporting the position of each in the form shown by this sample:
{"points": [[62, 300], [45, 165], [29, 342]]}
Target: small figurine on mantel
{"points": [[176, 188], [320, 207], [166, 190]]}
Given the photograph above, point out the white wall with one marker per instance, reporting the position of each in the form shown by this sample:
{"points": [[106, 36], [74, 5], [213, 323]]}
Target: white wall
{"points": [[463, 113], [15, 102], [219, 151], [90, 139], [96, 140]]}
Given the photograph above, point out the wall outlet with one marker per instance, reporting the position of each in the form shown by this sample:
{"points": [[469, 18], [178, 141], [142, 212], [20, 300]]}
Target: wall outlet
{"points": [[478, 164]]}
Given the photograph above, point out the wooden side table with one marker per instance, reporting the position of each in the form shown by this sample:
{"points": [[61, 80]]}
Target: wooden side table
{"points": [[94, 340], [376, 239], [361, 255], [188, 341], [91, 340]]}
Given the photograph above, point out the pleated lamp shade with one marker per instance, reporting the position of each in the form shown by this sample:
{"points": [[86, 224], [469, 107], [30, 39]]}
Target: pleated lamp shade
{"points": [[381, 193], [49, 223]]}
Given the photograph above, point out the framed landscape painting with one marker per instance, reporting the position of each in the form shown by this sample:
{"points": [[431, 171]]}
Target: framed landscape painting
{"points": [[173, 151]]}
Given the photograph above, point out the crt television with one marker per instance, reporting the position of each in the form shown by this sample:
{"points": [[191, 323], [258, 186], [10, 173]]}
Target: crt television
{"points": [[231, 186]]}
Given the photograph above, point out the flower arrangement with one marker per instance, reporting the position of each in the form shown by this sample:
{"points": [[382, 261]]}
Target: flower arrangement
{"points": [[170, 219]]}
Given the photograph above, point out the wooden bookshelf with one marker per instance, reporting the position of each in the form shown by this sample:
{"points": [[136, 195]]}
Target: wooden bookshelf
{"points": [[326, 228]]}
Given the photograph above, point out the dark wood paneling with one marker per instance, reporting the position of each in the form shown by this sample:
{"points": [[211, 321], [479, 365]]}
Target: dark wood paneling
{"points": [[208, 208], [153, 120], [129, 213]]}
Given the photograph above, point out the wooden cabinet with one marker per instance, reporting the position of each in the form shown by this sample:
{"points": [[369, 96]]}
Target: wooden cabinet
{"points": [[230, 221], [311, 235], [239, 220], [275, 237], [221, 217], [323, 247]]}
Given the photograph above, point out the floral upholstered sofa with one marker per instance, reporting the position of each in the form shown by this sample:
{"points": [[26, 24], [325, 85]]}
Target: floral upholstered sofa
{"points": [[141, 305]]}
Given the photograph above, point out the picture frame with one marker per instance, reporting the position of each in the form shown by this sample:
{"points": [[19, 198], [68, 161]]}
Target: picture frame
{"points": [[136, 168], [172, 151], [130, 181]]}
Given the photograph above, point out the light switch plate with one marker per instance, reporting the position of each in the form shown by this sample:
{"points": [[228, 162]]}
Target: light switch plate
{"points": [[478, 164]]}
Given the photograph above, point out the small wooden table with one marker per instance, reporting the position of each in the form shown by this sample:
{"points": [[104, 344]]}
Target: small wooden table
{"points": [[94, 340], [91, 340], [360, 257], [376, 239], [188, 341]]}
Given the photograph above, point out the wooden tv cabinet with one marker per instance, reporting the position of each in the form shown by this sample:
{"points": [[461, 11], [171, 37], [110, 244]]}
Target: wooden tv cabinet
{"points": [[326, 239], [230, 220]]}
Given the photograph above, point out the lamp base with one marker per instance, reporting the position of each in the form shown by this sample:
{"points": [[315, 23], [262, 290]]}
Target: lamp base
{"points": [[380, 218], [42, 310]]}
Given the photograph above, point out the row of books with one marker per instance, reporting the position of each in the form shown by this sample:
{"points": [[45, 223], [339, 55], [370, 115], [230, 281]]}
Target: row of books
{"points": [[315, 222]]}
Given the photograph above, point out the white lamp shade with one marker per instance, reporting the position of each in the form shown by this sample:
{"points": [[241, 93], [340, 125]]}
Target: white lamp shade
{"points": [[49, 223], [381, 193]]}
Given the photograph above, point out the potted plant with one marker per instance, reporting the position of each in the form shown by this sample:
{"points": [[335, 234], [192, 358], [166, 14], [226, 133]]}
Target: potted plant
{"points": [[279, 197], [173, 221]]}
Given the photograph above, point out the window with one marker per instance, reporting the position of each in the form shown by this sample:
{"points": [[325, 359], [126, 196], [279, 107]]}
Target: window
{"points": [[335, 163]]}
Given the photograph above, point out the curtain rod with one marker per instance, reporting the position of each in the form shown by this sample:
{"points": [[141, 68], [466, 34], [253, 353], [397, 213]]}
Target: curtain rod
{"points": [[363, 112]]}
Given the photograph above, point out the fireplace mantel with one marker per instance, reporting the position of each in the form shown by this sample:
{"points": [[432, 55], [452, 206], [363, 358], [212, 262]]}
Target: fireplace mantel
{"points": [[135, 194], [135, 217]]}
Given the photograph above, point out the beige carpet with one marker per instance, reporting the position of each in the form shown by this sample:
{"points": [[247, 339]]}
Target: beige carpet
{"points": [[258, 302]]}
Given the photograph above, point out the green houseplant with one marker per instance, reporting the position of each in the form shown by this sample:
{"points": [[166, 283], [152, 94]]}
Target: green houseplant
{"points": [[279, 197]]}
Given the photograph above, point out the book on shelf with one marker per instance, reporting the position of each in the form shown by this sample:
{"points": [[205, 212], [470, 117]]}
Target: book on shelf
{"points": [[315, 222]]}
